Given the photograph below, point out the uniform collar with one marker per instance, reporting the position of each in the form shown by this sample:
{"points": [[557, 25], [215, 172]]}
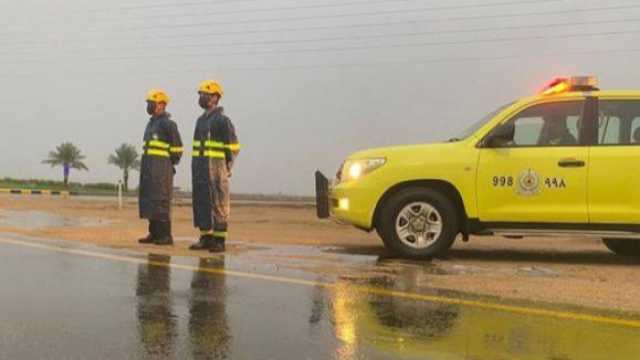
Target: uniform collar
{"points": [[160, 116], [215, 111]]}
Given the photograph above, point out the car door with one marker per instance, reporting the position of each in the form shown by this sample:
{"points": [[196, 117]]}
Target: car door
{"points": [[614, 179], [541, 175]]}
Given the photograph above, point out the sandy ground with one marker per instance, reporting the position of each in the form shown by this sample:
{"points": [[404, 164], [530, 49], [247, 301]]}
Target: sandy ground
{"points": [[567, 271]]}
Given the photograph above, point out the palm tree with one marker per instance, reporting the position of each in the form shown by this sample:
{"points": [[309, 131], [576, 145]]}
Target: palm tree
{"points": [[69, 157], [126, 158]]}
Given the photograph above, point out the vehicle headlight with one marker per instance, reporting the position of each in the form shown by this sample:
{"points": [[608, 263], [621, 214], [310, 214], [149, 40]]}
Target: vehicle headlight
{"points": [[355, 169]]}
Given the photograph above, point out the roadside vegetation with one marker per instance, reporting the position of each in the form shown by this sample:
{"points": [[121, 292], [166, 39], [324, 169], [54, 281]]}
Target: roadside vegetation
{"points": [[67, 156], [38, 184], [126, 157]]}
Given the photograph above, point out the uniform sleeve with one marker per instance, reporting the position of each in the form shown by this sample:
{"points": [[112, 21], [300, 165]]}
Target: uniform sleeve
{"points": [[175, 143], [232, 145]]}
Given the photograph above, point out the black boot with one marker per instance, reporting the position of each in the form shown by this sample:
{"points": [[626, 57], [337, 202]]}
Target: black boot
{"points": [[217, 246], [203, 243], [152, 232], [164, 233]]}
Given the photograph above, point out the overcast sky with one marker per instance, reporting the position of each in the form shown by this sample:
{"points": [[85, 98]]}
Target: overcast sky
{"points": [[306, 82]]}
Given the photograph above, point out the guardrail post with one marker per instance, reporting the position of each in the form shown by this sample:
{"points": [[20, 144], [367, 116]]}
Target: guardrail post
{"points": [[119, 194]]}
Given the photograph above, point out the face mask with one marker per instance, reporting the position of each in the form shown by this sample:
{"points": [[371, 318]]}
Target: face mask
{"points": [[151, 108], [204, 101]]}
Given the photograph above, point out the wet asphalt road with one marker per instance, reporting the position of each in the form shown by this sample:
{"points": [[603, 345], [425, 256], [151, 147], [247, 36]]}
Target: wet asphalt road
{"points": [[59, 301]]}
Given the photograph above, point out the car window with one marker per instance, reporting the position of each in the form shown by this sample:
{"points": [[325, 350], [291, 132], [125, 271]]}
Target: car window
{"points": [[528, 130], [619, 122], [478, 124], [608, 129], [635, 130], [552, 124]]}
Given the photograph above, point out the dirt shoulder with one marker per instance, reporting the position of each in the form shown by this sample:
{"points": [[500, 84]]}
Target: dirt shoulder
{"points": [[568, 271], [250, 224]]}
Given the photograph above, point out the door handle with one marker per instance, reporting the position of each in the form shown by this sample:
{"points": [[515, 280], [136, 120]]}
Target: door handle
{"points": [[571, 163]]}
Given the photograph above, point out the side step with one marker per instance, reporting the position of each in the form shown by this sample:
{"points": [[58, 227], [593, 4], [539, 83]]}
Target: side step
{"points": [[516, 233]]}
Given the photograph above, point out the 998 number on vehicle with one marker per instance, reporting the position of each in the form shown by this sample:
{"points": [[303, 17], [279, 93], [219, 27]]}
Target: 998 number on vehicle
{"points": [[502, 181]]}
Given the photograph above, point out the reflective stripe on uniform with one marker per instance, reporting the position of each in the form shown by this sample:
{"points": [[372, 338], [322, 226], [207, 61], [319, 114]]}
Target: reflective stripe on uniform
{"points": [[222, 234], [209, 148], [214, 154], [206, 232], [176, 150], [210, 154], [213, 144], [158, 144], [216, 145], [156, 152]]}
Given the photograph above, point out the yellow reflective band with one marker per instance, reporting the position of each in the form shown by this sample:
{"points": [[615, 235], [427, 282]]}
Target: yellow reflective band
{"points": [[158, 144], [206, 232], [210, 154], [234, 147], [155, 152], [176, 149], [210, 143], [196, 143], [214, 154], [222, 234]]}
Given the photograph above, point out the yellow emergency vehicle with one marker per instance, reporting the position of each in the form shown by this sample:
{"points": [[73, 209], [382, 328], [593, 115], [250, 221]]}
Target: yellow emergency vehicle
{"points": [[562, 162]]}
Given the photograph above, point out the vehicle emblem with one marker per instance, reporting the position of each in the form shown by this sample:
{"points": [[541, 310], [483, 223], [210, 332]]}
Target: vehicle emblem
{"points": [[528, 183]]}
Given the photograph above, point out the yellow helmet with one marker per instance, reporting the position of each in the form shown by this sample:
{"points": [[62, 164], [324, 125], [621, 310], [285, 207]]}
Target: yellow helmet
{"points": [[157, 95], [211, 87]]}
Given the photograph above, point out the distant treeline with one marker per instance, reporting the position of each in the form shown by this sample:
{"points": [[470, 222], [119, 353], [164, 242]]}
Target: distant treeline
{"points": [[272, 197], [55, 185], [110, 188]]}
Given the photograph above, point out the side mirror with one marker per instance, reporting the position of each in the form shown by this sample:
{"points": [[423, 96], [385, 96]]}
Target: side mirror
{"points": [[500, 135]]}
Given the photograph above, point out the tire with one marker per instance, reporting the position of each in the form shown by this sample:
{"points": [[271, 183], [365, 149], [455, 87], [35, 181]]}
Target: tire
{"points": [[395, 212], [624, 247]]}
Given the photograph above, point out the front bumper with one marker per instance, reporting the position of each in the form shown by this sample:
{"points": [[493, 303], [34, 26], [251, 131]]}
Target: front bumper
{"points": [[347, 202], [323, 209]]}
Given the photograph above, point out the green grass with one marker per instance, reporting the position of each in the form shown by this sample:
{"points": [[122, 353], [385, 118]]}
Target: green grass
{"points": [[110, 189], [36, 184]]}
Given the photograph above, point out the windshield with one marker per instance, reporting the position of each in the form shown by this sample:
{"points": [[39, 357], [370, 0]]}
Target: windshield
{"points": [[478, 124]]}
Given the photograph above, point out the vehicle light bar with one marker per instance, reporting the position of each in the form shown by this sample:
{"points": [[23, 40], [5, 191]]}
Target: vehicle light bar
{"points": [[574, 83]]}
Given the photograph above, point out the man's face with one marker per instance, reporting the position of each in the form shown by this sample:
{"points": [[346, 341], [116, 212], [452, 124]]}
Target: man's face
{"points": [[206, 101], [154, 108]]}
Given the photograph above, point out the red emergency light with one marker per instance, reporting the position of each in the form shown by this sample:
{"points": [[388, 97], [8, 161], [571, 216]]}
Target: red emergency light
{"points": [[574, 83]]}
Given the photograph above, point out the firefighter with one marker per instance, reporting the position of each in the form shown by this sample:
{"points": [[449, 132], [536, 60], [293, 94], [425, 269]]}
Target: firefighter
{"points": [[162, 151], [557, 132], [215, 148]]}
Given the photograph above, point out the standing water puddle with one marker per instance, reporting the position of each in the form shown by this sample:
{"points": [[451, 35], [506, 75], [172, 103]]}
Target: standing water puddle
{"points": [[38, 219]]}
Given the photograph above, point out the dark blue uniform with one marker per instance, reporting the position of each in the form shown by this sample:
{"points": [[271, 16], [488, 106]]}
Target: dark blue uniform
{"points": [[215, 147], [162, 151]]}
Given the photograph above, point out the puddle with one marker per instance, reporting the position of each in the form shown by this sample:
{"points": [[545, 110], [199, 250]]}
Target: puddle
{"points": [[39, 219], [234, 307]]}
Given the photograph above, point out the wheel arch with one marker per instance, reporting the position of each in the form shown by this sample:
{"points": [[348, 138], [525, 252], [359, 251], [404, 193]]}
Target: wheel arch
{"points": [[442, 186]]}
